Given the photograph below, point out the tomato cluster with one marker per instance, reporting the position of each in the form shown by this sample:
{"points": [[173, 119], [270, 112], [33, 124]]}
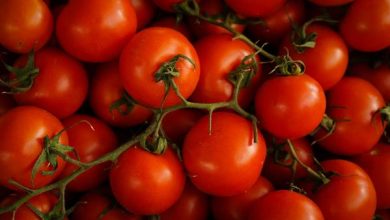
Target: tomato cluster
{"points": [[184, 109]]}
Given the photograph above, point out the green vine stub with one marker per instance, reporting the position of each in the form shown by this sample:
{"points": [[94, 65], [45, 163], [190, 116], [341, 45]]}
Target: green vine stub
{"points": [[123, 105], [247, 70]]}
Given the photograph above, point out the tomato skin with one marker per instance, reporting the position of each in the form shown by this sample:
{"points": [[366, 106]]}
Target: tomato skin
{"points": [[192, 205], [214, 161], [106, 88], [144, 10], [331, 2], [23, 143], [238, 207], [145, 183], [61, 85], [283, 102], [18, 33], [43, 202], [168, 5], [376, 163], [91, 140], [285, 204], [327, 62], [367, 30], [349, 195], [171, 22], [98, 35], [138, 76], [358, 123], [255, 8], [220, 54]]}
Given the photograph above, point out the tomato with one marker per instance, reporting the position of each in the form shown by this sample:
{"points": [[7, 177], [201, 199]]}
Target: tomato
{"points": [[44, 203], [192, 205], [176, 124], [238, 207], [219, 55], [138, 76], [171, 22], [350, 193], [285, 204], [376, 163], [358, 122], [331, 2], [145, 183], [106, 89], [211, 8], [98, 35], [255, 8], [377, 76], [281, 175], [23, 143], [26, 25], [95, 205], [327, 61], [215, 159], [283, 102], [90, 139], [144, 10], [367, 30], [278, 24], [168, 5], [61, 85]]}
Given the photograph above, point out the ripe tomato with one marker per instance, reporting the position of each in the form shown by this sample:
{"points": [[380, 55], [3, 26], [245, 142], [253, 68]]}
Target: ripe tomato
{"points": [[98, 35], [44, 203], [350, 193], [376, 163], [90, 141], [255, 8], [26, 25], [358, 122], [283, 102], [95, 205], [278, 24], [61, 85], [285, 204], [219, 55], [22, 143], [215, 159], [327, 61], [144, 10], [237, 207], [106, 89], [171, 22], [331, 2], [192, 205], [145, 183], [138, 76], [367, 30]]}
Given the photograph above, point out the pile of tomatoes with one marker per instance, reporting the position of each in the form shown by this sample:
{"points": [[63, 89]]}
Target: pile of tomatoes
{"points": [[184, 109]]}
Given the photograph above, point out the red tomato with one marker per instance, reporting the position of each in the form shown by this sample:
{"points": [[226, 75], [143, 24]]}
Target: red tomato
{"points": [[145, 11], [238, 207], [327, 61], [23, 143], [278, 24], [255, 8], [358, 124], [168, 5], [106, 89], [138, 76], [350, 193], [192, 205], [90, 141], [44, 203], [376, 163], [283, 102], [331, 2], [145, 183], [284, 204], [61, 85], [98, 35], [219, 55], [215, 160], [367, 30], [281, 175], [25, 25], [98, 206], [171, 22]]}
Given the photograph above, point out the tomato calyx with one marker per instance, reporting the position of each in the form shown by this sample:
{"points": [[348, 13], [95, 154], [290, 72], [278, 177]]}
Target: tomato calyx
{"points": [[23, 77], [246, 70], [286, 66], [124, 101]]}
